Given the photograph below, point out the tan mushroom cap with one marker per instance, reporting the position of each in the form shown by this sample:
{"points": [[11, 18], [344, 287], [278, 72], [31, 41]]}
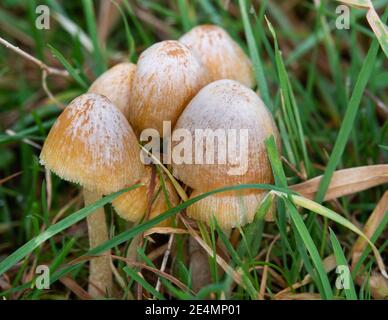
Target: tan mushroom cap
{"points": [[231, 209], [168, 75], [225, 105], [115, 84], [92, 144], [220, 54], [132, 205]]}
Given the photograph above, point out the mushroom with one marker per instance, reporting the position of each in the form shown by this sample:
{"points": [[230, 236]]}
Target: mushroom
{"points": [[132, 205], [115, 84], [167, 76], [220, 54], [91, 143], [222, 108]]}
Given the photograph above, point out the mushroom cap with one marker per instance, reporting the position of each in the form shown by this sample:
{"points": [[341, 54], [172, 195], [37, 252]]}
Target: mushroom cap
{"points": [[168, 75], [231, 209], [230, 108], [115, 84], [92, 144], [132, 205], [220, 54]]}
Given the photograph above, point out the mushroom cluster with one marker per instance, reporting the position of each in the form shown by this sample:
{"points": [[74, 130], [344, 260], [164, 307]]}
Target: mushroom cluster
{"points": [[202, 81]]}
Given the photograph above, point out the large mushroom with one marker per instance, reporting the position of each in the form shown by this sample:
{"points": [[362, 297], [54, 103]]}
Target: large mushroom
{"points": [[167, 76], [92, 144], [218, 109]]}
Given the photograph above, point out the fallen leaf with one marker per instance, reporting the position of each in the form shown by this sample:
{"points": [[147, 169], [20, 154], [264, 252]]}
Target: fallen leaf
{"points": [[345, 182]]}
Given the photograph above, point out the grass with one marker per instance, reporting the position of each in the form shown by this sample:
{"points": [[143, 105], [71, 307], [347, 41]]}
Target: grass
{"points": [[320, 83]]}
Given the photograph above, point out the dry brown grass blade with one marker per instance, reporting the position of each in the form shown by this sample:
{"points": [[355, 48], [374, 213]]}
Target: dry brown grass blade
{"points": [[263, 283], [164, 261], [162, 28], [75, 288], [277, 278], [4, 180], [158, 252], [300, 296], [39, 63], [378, 286], [379, 28], [346, 182], [377, 283], [370, 227], [221, 262], [362, 4], [381, 107], [6, 226], [164, 230], [66, 207], [5, 283], [107, 18]]}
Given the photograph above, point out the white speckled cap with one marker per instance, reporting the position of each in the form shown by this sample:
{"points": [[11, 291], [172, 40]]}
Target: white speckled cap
{"points": [[115, 84], [230, 209], [225, 105], [167, 76], [220, 54], [92, 144]]}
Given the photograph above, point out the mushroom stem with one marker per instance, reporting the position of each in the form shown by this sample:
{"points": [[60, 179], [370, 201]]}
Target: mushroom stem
{"points": [[100, 274]]}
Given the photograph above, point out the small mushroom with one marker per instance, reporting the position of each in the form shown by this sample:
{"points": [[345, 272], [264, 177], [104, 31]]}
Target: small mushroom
{"points": [[220, 54], [167, 76], [91, 143], [132, 205], [115, 84], [225, 106]]}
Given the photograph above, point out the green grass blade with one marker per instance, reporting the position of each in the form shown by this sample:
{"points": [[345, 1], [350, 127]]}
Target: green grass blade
{"points": [[140, 280], [349, 118], [129, 234], [184, 15], [332, 215], [73, 72], [311, 248], [65, 223], [291, 109], [128, 34], [100, 63], [277, 168], [254, 53]]}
